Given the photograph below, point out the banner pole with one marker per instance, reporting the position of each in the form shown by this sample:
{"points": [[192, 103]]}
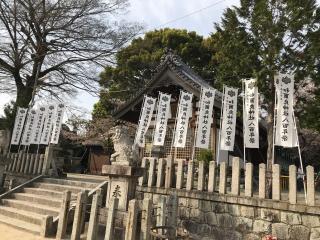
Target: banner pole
{"points": [[135, 137], [155, 125], [221, 112], [175, 126], [196, 128], [300, 158], [243, 124], [275, 116]]}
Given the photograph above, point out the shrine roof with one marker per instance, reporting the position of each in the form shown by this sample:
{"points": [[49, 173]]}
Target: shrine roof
{"points": [[171, 71]]}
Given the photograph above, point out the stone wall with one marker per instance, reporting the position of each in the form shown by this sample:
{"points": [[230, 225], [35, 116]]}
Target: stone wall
{"points": [[226, 217]]}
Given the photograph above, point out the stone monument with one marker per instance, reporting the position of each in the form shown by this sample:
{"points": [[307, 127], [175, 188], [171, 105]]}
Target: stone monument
{"points": [[123, 171]]}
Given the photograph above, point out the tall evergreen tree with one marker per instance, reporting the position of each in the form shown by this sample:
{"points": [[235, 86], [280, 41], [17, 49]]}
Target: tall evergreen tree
{"points": [[137, 63], [263, 37]]}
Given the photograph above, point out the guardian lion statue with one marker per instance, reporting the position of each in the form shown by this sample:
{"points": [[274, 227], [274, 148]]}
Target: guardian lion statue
{"points": [[125, 153]]}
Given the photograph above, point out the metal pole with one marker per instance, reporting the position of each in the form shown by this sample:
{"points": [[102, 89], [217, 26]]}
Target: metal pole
{"points": [[243, 124], [196, 129], [135, 138], [175, 125], [275, 116], [300, 157], [156, 119], [221, 112]]}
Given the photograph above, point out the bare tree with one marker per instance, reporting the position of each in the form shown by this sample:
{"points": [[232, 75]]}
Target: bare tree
{"points": [[59, 42]]}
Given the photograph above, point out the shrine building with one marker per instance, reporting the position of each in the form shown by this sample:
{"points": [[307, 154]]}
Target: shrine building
{"points": [[173, 75]]}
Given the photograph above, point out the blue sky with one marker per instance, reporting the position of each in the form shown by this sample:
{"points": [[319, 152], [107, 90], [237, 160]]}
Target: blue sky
{"points": [[154, 14]]}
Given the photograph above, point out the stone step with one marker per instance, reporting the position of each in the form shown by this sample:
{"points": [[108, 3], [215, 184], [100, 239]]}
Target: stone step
{"points": [[33, 207], [87, 178], [30, 227], [29, 217], [57, 187], [44, 200], [68, 182], [45, 192]]}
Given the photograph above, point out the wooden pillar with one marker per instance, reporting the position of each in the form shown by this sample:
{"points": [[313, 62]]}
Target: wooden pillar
{"points": [[201, 175], [78, 215], [131, 226], [190, 176], [276, 192], [146, 218], [27, 163], [161, 211], [160, 173], [310, 186], [46, 226], [94, 216], [36, 164], [172, 214], [23, 162], [223, 178], [32, 160], [19, 162], [151, 177], [212, 176], [113, 206], [180, 175], [142, 179], [48, 158], [262, 180], [248, 180], [169, 172], [40, 165], [235, 181], [292, 184], [63, 216]]}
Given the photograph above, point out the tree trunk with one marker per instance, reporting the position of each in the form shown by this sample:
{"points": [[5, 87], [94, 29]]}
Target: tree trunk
{"points": [[270, 126], [24, 96]]}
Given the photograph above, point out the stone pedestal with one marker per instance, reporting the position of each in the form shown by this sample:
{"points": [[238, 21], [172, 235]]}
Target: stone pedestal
{"points": [[123, 181]]}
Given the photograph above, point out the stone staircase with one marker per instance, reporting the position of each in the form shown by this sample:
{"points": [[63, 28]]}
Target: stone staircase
{"points": [[34, 206]]}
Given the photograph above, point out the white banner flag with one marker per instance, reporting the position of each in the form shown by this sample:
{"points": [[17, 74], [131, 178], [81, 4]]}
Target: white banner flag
{"points": [[145, 119], [205, 118], [229, 118], [29, 127], [162, 119], [57, 123], [251, 114], [18, 125], [285, 130], [183, 114], [48, 123], [36, 132]]}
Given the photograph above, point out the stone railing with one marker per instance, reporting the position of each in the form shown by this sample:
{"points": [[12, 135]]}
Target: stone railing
{"points": [[135, 223], [210, 206], [25, 163], [166, 173]]}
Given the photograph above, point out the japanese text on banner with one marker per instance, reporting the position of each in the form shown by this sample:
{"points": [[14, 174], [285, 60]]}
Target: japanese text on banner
{"points": [[251, 114], [38, 126], [18, 125], [29, 127], [145, 119], [205, 118], [183, 114], [48, 123], [57, 123], [285, 132], [162, 119], [229, 118]]}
